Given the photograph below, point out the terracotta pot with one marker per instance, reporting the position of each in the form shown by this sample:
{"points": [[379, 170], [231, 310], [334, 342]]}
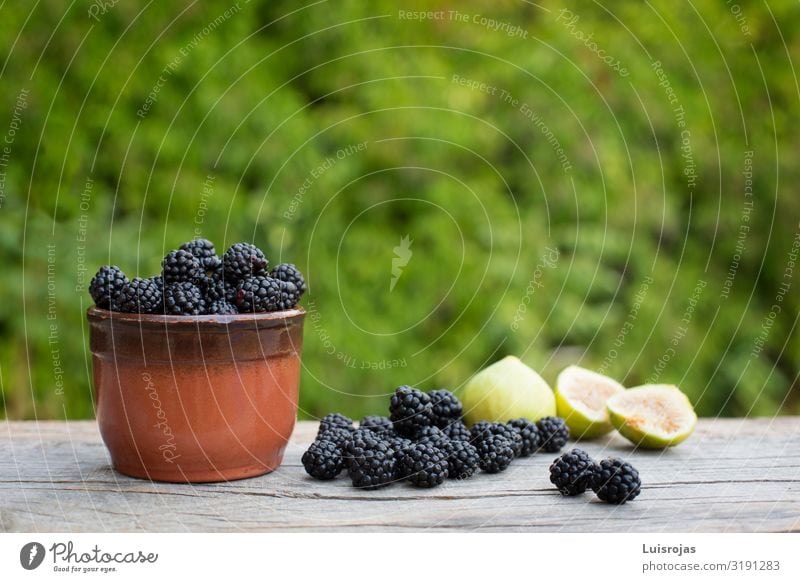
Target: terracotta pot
{"points": [[196, 399]]}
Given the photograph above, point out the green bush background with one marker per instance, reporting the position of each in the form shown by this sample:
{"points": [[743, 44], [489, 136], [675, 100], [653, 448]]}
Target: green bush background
{"points": [[268, 93]]}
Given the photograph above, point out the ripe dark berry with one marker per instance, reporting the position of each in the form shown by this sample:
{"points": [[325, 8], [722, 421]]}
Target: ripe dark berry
{"points": [[243, 261], [457, 431], [221, 307], [446, 407], [336, 420], [424, 465], [204, 250], [108, 281], [495, 453], [484, 427], [410, 410], [336, 434], [258, 295], [370, 461], [140, 296], [289, 296], [553, 433], [435, 436], [323, 460], [529, 434], [183, 299], [378, 424], [616, 481], [181, 266], [289, 273], [572, 472], [462, 461]]}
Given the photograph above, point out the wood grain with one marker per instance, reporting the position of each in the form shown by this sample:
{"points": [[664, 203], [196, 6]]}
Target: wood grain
{"points": [[732, 475]]}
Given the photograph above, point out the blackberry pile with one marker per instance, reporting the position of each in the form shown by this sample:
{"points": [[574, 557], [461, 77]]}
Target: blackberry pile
{"points": [[423, 441], [195, 281], [613, 480]]}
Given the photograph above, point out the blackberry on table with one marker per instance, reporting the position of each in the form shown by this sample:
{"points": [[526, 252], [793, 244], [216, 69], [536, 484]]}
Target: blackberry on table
{"points": [[179, 266], [529, 434], [457, 431], [484, 427], [371, 462], [335, 420], [615, 481], [378, 424], [243, 261], [258, 295], [204, 250], [495, 453], [435, 436], [446, 407], [462, 461], [572, 473], [424, 465], [323, 460], [140, 296], [108, 281], [336, 434], [410, 410], [289, 273], [183, 299], [553, 433]]}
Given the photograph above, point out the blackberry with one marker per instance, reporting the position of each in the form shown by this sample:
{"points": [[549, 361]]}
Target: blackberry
{"points": [[484, 427], [204, 250], [215, 289], [370, 461], [379, 424], [463, 460], [572, 472], [323, 460], [258, 295], [140, 296], [495, 453], [335, 420], [289, 295], [446, 407], [410, 410], [615, 481], [108, 281], [221, 307], [553, 433], [424, 465], [243, 261], [179, 266], [183, 299], [529, 433], [336, 434], [457, 431], [435, 436], [289, 273]]}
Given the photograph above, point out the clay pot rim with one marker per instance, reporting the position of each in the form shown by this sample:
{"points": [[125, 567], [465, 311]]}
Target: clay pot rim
{"points": [[203, 321]]}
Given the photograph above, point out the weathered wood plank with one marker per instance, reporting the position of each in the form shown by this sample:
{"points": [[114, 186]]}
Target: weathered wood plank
{"points": [[732, 475]]}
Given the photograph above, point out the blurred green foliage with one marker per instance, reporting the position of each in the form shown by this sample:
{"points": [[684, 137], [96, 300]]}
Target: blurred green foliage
{"points": [[247, 107]]}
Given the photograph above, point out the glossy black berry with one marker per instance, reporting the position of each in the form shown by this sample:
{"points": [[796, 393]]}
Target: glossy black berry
{"points": [[446, 407], [457, 431], [572, 472], [371, 462], [221, 307], [424, 465], [289, 273], [204, 250], [183, 299], [529, 435], [553, 433], [462, 460], [323, 460], [140, 296], [615, 481], [243, 261], [258, 295], [378, 424], [108, 281], [494, 453], [410, 410], [181, 266], [479, 429]]}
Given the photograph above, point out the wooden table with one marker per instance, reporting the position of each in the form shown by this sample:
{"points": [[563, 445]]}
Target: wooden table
{"points": [[732, 475]]}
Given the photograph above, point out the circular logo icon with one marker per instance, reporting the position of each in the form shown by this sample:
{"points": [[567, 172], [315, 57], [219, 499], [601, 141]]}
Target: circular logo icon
{"points": [[31, 555]]}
